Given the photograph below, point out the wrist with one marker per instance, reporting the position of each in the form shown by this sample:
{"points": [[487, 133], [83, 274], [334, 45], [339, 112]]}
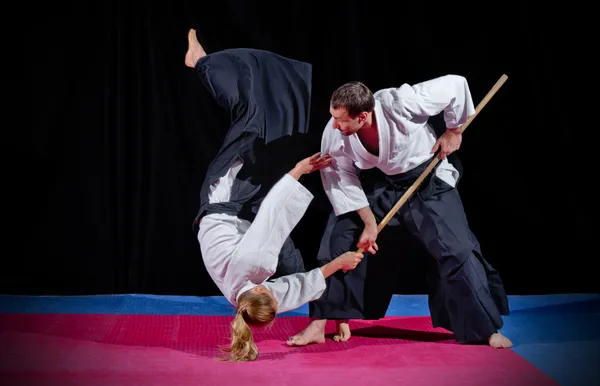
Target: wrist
{"points": [[368, 217], [370, 222], [336, 264], [296, 173], [331, 268]]}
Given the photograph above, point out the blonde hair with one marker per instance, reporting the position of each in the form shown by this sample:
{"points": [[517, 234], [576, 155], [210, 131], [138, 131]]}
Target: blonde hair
{"points": [[256, 310]]}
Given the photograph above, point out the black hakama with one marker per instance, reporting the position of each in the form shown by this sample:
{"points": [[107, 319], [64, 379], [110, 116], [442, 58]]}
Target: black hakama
{"points": [[466, 296], [267, 97]]}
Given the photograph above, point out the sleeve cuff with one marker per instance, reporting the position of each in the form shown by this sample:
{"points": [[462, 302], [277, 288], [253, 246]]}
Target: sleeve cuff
{"points": [[301, 191]]}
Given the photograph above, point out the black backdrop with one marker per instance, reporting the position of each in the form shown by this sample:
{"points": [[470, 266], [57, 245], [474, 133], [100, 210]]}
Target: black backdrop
{"points": [[120, 133]]}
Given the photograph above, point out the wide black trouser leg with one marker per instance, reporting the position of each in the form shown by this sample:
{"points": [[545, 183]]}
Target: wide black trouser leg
{"points": [[467, 296], [366, 291], [342, 298], [267, 97]]}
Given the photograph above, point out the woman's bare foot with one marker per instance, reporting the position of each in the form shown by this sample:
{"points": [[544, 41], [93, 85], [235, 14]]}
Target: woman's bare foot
{"points": [[195, 50], [343, 329], [498, 340], [313, 333]]}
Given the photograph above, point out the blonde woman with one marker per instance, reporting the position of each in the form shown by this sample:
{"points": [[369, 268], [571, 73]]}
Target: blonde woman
{"points": [[241, 256], [248, 207]]}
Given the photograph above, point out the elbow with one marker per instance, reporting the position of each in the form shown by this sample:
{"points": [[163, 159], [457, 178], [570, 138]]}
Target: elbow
{"points": [[455, 82], [355, 206], [461, 84], [457, 79], [461, 93]]}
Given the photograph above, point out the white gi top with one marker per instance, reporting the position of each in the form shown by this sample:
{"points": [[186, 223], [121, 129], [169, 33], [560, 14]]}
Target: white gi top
{"points": [[405, 137], [240, 255]]}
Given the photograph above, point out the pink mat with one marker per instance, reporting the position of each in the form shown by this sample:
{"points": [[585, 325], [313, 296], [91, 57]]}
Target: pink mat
{"points": [[180, 350]]}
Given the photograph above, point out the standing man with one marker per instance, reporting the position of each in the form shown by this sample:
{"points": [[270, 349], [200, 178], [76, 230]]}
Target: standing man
{"points": [[380, 144]]}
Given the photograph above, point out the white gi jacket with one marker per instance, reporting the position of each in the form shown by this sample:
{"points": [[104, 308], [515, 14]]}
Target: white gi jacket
{"points": [[405, 137], [240, 255]]}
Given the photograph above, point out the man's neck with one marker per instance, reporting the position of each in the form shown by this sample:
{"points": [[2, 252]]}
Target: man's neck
{"points": [[370, 124], [369, 135]]}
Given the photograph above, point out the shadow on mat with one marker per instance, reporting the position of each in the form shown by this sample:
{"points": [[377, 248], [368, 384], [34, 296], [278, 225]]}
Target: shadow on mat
{"points": [[381, 335], [384, 332]]}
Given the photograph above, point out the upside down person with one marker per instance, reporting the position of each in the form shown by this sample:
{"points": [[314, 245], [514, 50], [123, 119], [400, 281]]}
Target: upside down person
{"points": [[244, 222]]}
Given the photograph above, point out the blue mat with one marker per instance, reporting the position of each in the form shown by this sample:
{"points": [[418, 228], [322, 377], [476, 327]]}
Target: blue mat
{"points": [[559, 334]]}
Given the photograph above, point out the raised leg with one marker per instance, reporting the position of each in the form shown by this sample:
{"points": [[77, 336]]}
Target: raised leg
{"points": [[195, 50]]}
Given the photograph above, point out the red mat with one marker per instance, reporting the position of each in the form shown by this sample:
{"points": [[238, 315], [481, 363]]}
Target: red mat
{"points": [[180, 350]]}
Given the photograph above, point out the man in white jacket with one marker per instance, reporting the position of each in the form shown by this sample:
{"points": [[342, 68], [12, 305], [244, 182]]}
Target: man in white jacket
{"points": [[380, 144]]}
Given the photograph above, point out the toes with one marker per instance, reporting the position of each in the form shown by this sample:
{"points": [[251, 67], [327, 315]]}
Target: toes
{"points": [[340, 338]]}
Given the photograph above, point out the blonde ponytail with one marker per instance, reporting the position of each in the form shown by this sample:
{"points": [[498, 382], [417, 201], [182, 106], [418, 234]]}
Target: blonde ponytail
{"points": [[257, 310], [242, 346]]}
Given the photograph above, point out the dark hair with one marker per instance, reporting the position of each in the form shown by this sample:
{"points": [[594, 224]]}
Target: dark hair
{"points": [[355, 97]]}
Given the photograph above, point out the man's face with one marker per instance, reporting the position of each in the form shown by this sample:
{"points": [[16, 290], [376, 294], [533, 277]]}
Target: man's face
{"points": [[345, 123]]}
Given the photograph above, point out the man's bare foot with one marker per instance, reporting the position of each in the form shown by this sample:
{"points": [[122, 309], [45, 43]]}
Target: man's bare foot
{"points": [[498, 340], [195, 50], [343, 331], [313, 333]]}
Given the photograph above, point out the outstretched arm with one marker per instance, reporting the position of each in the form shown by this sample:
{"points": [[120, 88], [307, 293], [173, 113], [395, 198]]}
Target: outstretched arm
{"points": [[295, 290], [257, 254]]}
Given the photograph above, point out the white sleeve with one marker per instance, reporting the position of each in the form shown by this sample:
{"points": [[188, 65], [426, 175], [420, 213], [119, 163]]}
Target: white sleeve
{"points": [[340, 182], [295, 290], [449, 94], [256, 256]]}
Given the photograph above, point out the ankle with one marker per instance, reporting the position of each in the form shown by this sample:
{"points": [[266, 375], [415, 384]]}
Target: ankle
{"points": [[318, 322]]}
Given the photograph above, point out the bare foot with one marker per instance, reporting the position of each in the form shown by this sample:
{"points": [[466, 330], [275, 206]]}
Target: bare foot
{"points": [[498, 340], [195, 50], [313, 333], [343, 329]]}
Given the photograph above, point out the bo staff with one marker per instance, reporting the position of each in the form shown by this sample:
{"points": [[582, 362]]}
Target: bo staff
{"points": [[435, 161]]}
